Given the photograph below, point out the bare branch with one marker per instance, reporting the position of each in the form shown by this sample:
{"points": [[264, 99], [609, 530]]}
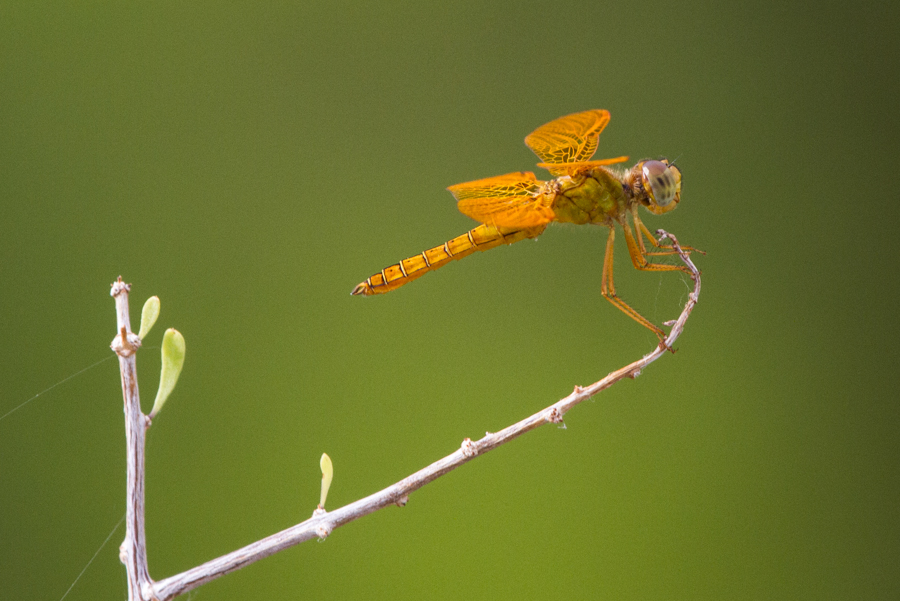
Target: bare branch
{"points": [[133, 551], [322, 523]]}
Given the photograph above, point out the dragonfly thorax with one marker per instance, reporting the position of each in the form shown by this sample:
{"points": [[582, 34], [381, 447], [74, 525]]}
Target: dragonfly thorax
{"points": [[593, 196]]}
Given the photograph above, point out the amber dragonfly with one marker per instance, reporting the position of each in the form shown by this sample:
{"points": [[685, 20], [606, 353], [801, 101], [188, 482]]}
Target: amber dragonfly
{"points": [[517, 206]]}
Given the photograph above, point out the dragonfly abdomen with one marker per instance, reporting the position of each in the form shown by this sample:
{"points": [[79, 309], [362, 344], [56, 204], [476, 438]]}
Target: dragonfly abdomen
{"points": [[483, 237]]}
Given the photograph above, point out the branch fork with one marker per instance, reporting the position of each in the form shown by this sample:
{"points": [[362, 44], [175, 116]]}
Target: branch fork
{"points": [[322, 523]]}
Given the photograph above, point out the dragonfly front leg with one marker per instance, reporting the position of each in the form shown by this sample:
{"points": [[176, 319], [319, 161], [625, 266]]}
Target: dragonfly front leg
{"points": [[608, 290], [639, 254], [666, 249]]}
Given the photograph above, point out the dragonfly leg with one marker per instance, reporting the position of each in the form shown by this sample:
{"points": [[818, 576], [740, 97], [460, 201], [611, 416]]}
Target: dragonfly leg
{"points": [[608, 290], [638, 252], [640, 228]]}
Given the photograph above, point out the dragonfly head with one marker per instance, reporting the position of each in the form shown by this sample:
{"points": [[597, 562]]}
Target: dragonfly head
{"points": [[657, 185]]}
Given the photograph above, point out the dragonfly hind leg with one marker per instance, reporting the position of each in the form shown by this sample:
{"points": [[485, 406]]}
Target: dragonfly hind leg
{"points": [[608, 290]]}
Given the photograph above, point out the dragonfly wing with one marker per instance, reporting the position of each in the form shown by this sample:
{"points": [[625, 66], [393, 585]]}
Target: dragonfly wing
{"points": [[573, 168], [511, 200], [569, 139]]}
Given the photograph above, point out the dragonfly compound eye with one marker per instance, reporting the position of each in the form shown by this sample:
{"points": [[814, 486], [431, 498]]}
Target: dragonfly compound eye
{"points": [[661, 181]]}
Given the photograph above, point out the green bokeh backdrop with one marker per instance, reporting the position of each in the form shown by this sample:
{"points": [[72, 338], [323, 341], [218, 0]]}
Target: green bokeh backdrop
{"points": [[250, 163]]}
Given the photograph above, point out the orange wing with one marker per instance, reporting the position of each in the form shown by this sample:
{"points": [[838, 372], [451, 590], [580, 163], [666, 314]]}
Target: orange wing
{"points": [[570, 140], [511, 200]]}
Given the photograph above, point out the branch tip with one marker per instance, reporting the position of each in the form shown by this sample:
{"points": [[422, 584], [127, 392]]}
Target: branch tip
{"points": [[118, 287]]}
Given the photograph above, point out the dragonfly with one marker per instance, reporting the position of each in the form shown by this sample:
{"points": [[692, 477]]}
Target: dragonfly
{"points": [[517, 206]]}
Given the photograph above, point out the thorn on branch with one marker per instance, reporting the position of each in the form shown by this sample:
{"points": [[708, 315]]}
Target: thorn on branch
{"points": [[323, 531], [555, 416], [125, 343]]}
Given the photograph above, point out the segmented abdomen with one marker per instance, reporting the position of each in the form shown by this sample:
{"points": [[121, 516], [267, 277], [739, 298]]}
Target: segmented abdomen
{"points": [[483, 237]]}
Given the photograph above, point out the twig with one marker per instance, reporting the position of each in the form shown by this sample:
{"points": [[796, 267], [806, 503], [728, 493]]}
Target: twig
{"points": [[322, 523], [133, 550]]}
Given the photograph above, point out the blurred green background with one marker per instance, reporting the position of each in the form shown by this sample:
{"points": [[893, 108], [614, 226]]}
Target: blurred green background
{"points": [[250, 163]]}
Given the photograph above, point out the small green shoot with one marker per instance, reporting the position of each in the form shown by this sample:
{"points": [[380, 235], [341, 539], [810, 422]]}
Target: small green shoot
{"points": [[172, 362]]}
